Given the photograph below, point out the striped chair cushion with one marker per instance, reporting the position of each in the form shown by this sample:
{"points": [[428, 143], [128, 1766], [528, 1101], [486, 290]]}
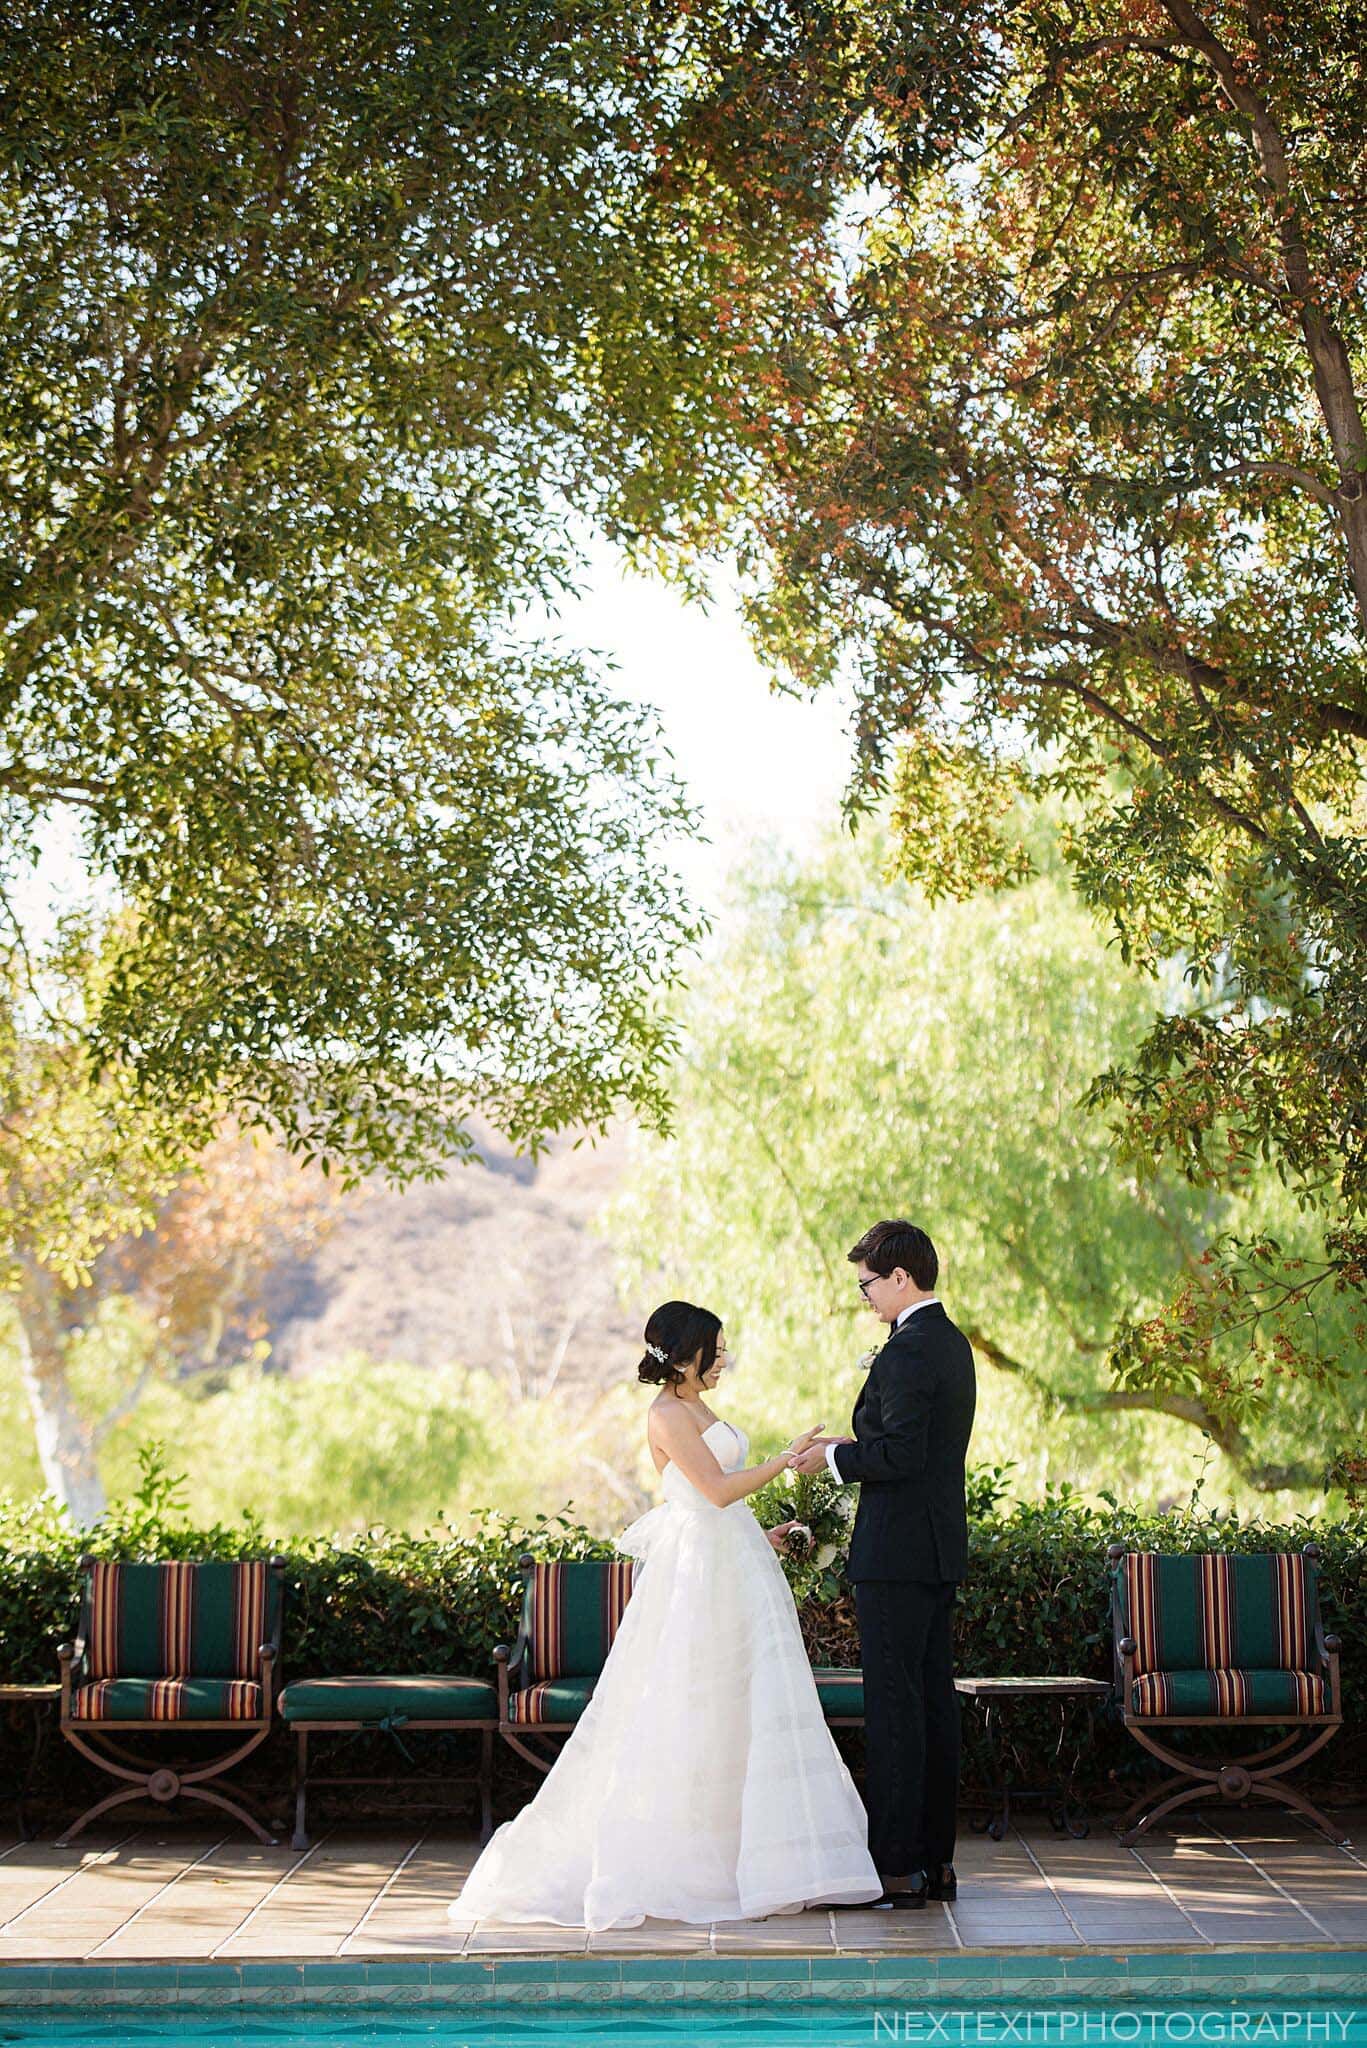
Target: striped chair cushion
{"points": [[167, 1699], [180, 1620], [554, 1699], [570, 1614], [1222, 1693], [1218, 1612]]}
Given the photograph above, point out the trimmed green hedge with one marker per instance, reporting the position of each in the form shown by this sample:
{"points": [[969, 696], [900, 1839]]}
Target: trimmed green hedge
{"points": [[1035, 1600]]}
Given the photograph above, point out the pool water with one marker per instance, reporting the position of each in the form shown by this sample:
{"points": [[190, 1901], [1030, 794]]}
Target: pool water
{"points": [[1314, 2024]]}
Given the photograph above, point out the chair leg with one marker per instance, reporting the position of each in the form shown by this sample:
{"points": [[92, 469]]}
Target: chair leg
{"points": [[106, 1805], [1130, 1833], [1285, 1795], [300, 1837], [1145, 1800], [232, 1806]]}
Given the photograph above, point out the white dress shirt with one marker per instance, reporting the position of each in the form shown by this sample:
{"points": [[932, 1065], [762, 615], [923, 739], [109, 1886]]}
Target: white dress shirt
{"points": [[831, 1449]]}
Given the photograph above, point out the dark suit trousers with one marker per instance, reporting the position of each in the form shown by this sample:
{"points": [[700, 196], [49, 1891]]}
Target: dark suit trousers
{"points": [[911, 1722]]}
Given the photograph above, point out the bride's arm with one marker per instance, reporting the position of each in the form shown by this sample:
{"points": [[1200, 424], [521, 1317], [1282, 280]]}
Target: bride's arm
{"points": [[687, 1450]]}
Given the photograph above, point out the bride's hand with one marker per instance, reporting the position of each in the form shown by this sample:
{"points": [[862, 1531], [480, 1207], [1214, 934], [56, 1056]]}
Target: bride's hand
{"points": [[778, 1536], [807, 1438]]}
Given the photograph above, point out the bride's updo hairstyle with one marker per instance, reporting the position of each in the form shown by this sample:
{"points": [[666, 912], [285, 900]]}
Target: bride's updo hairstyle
{"points": [[675, 1333]]}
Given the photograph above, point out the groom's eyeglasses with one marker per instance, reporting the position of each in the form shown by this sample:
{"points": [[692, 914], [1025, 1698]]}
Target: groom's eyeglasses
{"points": [[865, 1285]]}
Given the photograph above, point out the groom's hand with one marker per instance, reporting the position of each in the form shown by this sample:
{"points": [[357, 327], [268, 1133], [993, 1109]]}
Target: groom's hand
{"points": [[813, 1459]]}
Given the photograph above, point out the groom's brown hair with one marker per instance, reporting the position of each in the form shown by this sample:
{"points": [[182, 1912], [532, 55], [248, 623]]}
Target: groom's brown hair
{"points": [[888, 1245]]}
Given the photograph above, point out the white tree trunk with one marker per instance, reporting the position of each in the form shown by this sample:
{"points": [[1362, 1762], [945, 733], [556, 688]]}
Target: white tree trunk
{"points": [[66, 1445]]}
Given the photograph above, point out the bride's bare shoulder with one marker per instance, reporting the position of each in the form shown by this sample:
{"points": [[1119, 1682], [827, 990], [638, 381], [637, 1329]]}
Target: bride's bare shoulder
{"points": [[668, 1420]]}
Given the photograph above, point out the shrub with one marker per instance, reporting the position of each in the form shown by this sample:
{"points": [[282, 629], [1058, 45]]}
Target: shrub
{"points": [[1035, 1599]]}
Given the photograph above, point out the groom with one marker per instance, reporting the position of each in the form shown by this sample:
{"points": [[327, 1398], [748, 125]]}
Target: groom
{"points": [[908, 1551]]}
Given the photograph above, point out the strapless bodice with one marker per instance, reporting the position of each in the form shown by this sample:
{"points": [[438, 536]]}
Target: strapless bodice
{"points": [[728, 1446]]}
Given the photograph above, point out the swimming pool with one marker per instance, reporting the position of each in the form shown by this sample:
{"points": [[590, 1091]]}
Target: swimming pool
{"points": [[816, 2025], [1312, 2024]]}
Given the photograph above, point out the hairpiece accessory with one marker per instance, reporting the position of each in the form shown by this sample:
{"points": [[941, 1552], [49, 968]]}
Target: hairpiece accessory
{"points": [[658, 1351]]}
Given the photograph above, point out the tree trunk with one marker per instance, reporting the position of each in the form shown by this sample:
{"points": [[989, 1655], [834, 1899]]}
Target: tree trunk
{"points": [[65, 1444]]}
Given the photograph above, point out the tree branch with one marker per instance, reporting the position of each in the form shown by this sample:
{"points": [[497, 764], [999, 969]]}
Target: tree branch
{"points": [[1261, 1474]]}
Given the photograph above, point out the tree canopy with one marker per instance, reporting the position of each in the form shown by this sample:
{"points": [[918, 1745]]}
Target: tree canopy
{"points": [[1057, 447], [318, 328]]}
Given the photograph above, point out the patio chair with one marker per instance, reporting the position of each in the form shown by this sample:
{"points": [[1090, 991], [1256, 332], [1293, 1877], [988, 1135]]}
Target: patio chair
{"points": [[165, 1653], [571, 1610], [1229, 1642]]}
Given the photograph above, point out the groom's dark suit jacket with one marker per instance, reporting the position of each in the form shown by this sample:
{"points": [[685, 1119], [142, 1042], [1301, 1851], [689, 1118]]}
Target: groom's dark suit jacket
{"points": [[911, 1425]]}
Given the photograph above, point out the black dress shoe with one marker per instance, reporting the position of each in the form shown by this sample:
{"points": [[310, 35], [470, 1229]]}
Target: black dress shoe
{"points": [[909, 1898], [942, 1883], [900, 1902], [890, 1902]]}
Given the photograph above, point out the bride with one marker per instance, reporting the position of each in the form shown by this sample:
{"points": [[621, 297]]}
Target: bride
{"points": [[701, 1782]]}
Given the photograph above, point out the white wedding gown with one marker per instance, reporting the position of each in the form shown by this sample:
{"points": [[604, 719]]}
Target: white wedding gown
{"points": [[701, 1782]]}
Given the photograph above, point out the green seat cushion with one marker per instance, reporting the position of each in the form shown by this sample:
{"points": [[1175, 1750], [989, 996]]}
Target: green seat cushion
{"points": [[167, 1699], [840, 1691], [1218, 1694], [419, 1697], [552, 1700]]}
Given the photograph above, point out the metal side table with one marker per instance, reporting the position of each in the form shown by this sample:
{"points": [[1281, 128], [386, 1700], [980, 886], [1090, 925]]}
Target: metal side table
{"points": [[39, 1703], [1067, 1694]]}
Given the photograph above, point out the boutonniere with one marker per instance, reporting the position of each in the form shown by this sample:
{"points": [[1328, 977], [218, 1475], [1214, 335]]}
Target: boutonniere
{"points": [[866, 1358]]}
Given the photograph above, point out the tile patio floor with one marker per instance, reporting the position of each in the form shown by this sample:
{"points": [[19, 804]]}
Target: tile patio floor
{"points": [[147, 1894]]}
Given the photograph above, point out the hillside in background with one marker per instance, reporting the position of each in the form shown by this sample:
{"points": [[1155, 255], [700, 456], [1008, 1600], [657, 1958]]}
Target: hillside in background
{"points": [[497, 1265]]}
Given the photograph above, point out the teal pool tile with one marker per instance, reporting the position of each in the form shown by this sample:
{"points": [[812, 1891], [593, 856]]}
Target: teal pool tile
{"points": [[894, 1993], [911, 1969], [460, 1970], [525, 1970], [272, 1976], [398, 1973], [134, 1977], [648, 1968], [24, 1977], [1092, 1965], [1009, 1985], [714, 1969], [1032, 1966], [777, 1967], [465, 1995], [828, 1969], [90, 1977], [969, 1966], [590, 1970], [334, 1973], [209, 1976]]}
